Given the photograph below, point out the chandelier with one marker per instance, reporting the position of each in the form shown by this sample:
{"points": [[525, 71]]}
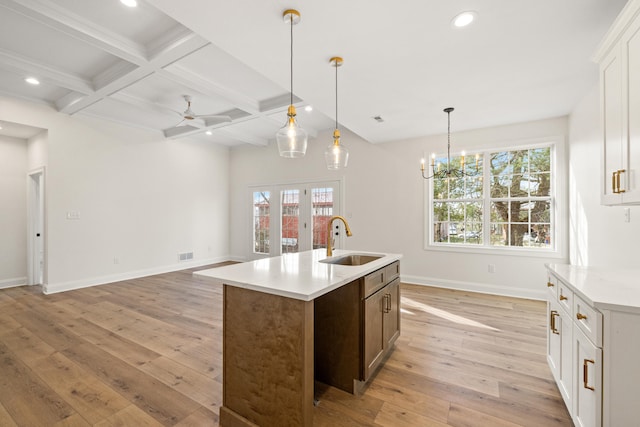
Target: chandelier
{"points": [[446, 170]]}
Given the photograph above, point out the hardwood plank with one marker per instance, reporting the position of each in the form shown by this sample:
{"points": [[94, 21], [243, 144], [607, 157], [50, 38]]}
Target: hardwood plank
{"points": [[88, 396], [163, 403], [200, 418], [27, 398], [5, 418], [130, 416], [391, 415]]}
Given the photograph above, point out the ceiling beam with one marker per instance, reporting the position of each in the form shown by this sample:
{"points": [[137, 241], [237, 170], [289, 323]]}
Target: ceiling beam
{"points": [[14, 62], [60, 19]]}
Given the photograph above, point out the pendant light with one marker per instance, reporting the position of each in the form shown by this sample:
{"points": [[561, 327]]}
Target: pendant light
{"points": [[336, 155], [292, 139]]}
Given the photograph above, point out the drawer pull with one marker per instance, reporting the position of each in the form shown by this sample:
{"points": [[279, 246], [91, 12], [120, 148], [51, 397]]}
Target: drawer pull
{"points": [[581, 316], [550, 285], [585, 374], [552, 322], [562, 297]]}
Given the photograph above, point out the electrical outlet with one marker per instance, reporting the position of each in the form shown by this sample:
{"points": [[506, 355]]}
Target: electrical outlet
{"points": [[627, 214], [116, 260], [492, 268]]}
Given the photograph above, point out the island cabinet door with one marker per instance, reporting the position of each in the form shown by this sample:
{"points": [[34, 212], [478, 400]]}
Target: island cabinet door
{"points": [[391, 319], [373, 332]]}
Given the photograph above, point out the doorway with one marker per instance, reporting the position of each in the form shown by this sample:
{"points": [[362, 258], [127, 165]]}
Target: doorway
{"points": [[35, 228], [293, 218]]}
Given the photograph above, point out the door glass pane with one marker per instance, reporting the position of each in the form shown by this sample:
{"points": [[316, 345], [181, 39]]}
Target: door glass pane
{"points": [[321, 212], [261, 222], [290, 217]]}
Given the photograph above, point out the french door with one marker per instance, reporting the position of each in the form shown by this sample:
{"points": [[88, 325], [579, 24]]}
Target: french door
{"points": [[293, 218]]}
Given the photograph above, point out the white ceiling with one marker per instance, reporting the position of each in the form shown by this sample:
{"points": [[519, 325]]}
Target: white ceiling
{"points": [[521, 60]]}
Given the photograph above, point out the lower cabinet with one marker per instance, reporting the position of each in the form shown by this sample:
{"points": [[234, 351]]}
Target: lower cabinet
{"points": [[355, 328], [587, 407], [381, 325], [593, 345]]}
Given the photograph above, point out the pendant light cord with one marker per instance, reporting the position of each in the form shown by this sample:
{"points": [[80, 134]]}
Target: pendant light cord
{"points": [[336, 65], [291, 58], [448, 140]]}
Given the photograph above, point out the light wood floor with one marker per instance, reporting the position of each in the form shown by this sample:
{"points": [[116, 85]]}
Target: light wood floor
{"points": [[147, 352]]}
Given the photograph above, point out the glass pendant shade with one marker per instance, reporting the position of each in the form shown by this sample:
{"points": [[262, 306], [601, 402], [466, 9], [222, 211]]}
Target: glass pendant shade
{"points": [[292, 139], [336, 155]]}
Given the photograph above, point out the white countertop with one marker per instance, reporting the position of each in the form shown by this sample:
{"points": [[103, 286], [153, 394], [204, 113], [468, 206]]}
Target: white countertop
{"points": [[297, 275], [605, 288]]}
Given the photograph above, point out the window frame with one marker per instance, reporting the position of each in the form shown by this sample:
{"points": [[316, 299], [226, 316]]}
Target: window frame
{"points": [[558, 201]]}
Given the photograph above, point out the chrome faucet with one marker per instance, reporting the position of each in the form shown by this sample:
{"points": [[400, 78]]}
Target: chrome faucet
{"points": [[330, 232]]}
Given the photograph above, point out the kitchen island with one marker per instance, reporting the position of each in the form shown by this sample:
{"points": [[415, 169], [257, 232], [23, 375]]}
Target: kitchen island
{"points": [[282, 313]]}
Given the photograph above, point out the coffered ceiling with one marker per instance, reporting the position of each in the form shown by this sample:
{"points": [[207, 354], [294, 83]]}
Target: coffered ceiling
{"points": [[521, 60]]}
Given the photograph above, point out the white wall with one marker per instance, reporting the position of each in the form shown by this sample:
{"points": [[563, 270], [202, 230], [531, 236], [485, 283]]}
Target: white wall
{"points": [[141, 199], [599, 234], [13, 211], [384, 204]]}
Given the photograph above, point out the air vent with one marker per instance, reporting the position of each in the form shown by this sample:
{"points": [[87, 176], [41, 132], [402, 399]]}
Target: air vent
{"points": [[185, 256], [378, 119]]}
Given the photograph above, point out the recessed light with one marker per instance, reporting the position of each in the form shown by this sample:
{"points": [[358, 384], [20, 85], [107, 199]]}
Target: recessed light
{"points": [[209, 133], [129, 3], [32, 81], [308, 108], [463, 19]]}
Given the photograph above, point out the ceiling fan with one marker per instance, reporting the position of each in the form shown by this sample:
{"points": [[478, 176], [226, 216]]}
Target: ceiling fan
{"points": [[190, 118]]}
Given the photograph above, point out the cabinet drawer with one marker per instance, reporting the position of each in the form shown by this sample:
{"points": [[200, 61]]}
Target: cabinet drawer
{"points": [[552, 287], [374, 281], [565, 297], [588, 319], [392, 271]]}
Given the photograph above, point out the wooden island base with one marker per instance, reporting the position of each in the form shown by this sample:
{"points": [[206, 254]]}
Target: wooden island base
{"points": [[268, 360]]}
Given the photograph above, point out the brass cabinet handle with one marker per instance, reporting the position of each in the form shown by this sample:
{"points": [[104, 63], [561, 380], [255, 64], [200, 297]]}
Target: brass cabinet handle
{"points": [[562, 297], [581, 316], [585, 373], [550, 285], [618, 180], [615, 181], [552, 322]]}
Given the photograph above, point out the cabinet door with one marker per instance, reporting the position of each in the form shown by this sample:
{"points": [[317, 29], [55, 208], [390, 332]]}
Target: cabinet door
{"points": [[612, 119], [373, 338], [631, 144], [559, 349], [587, 404], [391, 320]]}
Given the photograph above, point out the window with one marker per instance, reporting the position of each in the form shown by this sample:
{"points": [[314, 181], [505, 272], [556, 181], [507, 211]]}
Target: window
{"points": [[505, 201], [261, 208]]}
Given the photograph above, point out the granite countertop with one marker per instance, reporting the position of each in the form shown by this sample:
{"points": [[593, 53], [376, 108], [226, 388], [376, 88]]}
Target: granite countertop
{"points": [[297, 275], [605, 288]]}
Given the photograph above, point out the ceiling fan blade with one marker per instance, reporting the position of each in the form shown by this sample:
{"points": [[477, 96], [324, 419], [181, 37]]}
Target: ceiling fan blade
{"points": [[183, 122], [196, 124]]}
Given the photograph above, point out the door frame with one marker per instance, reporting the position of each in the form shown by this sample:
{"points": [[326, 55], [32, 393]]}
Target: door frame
{"points": [[36, 224]]}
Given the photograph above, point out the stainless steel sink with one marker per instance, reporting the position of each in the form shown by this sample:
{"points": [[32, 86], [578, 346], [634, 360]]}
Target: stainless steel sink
{"points": [[353, 259]]}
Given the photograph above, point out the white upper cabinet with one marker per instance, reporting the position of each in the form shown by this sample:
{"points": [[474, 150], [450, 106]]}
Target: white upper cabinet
{"points": [[619, 60]]}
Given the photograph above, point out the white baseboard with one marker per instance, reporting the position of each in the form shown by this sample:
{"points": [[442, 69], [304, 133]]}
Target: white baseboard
{"points": [[52, 288], [12, 283], [484, 288]]}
